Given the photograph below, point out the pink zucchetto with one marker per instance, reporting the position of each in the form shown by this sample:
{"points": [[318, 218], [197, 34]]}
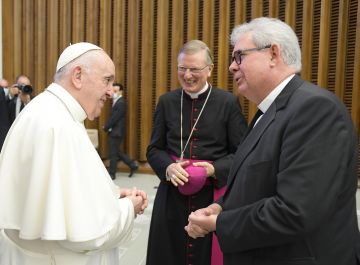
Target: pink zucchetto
{"points": [[196, 180], [74, 51]]}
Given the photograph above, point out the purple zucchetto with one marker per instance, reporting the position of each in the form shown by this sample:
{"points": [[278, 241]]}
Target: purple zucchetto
{"points": [[196, 180]]}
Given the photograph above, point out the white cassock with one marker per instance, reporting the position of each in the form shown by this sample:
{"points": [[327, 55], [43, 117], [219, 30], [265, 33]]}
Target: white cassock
{"points": [[58, 205]]}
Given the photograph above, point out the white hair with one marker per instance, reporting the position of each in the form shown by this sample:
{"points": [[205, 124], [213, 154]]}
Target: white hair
{"points": [[265, 31]]}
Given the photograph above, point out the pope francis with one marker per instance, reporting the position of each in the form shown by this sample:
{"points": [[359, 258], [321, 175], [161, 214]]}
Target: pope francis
{"points": [[58, 205]]}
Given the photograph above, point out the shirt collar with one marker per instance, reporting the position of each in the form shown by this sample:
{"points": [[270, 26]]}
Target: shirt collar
{"points": [[69, 101], [265, 104], [196, 94], [116, 99]]}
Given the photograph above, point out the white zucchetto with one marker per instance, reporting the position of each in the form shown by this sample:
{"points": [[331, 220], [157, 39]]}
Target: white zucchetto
{"points": [[74, 51]]}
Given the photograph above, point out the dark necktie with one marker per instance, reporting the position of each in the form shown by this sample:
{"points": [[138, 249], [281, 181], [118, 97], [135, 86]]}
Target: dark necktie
{"points": [[256, 117], [253, 121]]}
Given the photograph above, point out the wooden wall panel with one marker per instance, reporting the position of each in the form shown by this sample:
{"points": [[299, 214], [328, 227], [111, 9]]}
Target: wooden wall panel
{"points": [[146, 79], [65, 22], [307, 39], [40, 46], [105, 30], [323, 60], [144, 37], [52, 42], [133, 83], [8, 40], [274, 8], [208, 33], [78, 21], [177, 38], [193, 15], [343, 22], [355, 111], [222, 63], [28, 38], [17, 24], [290, 13], [162, 47]]}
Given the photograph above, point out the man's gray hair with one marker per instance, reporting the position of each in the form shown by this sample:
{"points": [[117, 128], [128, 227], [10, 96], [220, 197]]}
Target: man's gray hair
{"points": [[265, 31], [195, 46]]}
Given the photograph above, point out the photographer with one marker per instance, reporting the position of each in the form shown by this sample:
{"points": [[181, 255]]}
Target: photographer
{"points": [[19, 95]]}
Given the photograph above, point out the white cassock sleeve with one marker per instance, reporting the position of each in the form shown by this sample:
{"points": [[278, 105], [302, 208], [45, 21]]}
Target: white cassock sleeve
{"points": [[119, 234]]}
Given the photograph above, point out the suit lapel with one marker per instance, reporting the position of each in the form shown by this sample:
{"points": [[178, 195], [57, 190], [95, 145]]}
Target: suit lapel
{"points": [[255, 134], [251, 140]]}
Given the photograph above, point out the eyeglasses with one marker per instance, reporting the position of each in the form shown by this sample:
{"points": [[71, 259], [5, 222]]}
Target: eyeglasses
{"points": [[183, 69], [239, 53]]}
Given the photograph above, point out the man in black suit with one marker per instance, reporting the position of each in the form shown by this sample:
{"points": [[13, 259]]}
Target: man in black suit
{"points": [[115, 127], [291, 189]]}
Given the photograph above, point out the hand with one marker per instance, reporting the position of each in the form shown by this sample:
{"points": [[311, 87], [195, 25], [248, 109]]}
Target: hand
{"points": [[137, 197], [13, 90], [177, 173], [210, 170], [203, 221]]}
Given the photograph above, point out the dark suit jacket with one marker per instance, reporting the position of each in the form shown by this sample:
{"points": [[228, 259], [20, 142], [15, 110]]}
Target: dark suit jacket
{"points": [[4, 117], [117, 119], [291, 189]]}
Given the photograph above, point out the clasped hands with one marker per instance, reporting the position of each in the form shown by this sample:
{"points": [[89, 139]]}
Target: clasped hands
{"points": [[137, 197], [179, 176], [203, 221]]}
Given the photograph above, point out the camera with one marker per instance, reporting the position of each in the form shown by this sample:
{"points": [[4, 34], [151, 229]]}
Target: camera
{"points": [[26, 89]]}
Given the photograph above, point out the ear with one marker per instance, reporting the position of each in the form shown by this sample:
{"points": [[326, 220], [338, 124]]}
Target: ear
{"points": [[76, 76], [211, 67], [275, 54]]}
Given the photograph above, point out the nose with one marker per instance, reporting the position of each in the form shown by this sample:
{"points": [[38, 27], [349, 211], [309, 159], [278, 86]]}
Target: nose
{"points": [[187, 73], [233, 67], [110, 92]]}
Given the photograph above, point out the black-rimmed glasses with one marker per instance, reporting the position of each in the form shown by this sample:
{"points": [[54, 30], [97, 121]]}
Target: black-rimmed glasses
{"points": [[183, 69], [237, 55]]}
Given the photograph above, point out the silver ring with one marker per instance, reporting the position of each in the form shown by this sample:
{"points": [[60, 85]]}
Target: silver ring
{"points": [[173, 176]]}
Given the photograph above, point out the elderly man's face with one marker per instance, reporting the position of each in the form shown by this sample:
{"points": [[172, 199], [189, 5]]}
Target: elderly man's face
{"points": [[97, 85], [193, 71], [251, 75]]}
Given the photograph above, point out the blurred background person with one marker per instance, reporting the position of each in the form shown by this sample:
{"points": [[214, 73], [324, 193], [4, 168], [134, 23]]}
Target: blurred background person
{"points": [[4, 111], [20, 95], [115, 126], [197, 129]]}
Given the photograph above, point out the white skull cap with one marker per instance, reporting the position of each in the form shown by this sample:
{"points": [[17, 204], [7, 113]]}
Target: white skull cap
{"points": [[74, 51]]}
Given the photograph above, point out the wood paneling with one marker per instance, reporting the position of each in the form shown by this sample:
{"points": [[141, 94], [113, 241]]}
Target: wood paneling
{"points": [[146, 79], [143, 37], [323, 60]]}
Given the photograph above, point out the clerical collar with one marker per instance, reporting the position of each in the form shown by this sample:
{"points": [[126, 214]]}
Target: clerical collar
{"points": [[196, 94], [182, 147], [116, 99], [265, 104], [69, 101]]}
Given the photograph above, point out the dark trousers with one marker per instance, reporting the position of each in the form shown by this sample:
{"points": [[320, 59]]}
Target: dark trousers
{"points": [[115, 154]]}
